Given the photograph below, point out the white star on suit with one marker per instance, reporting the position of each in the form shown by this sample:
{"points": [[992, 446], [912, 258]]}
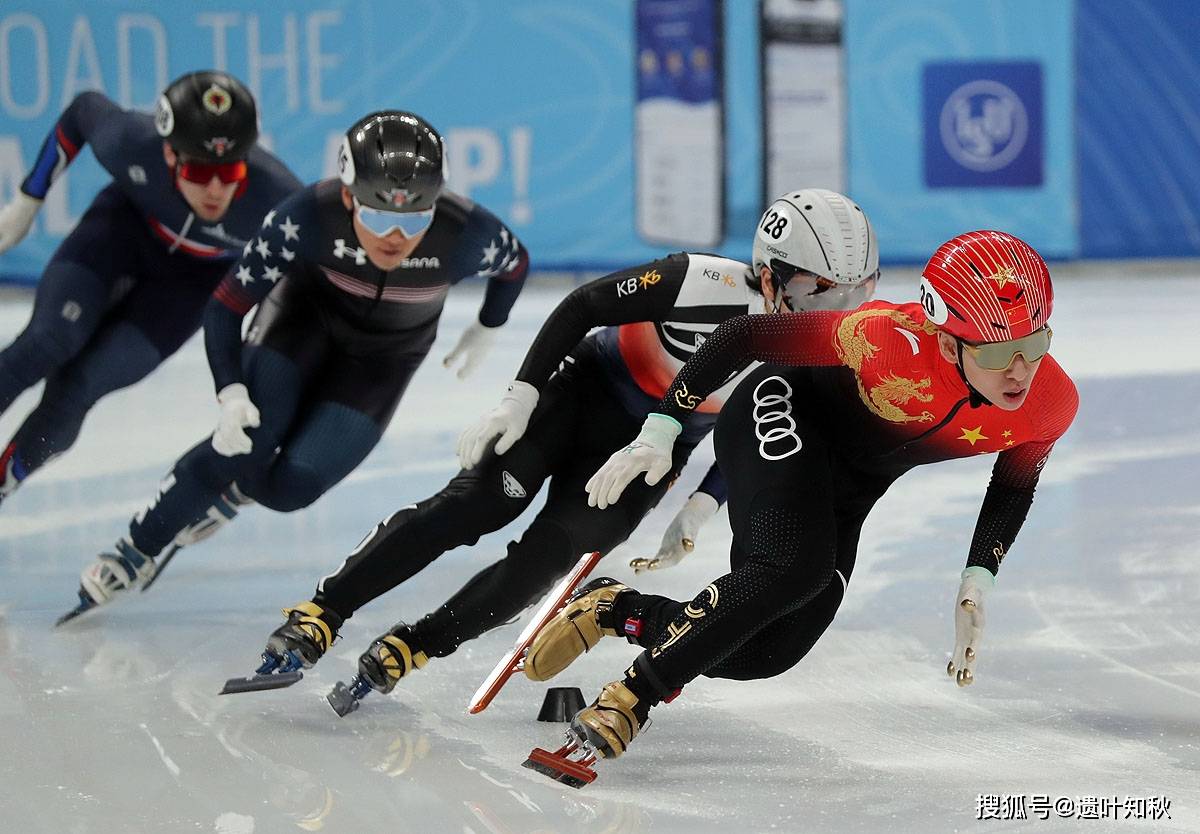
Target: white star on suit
{"points": [[262, 248], [286, 254], [291, 231], [272, 274], [243, 275], [490, 253], [270, 218]]}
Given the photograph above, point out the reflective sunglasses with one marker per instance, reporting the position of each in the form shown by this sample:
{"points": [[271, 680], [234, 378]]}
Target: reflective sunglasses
{"points": [[383, 223], [821, 293], [201, 173], [998, 356]]}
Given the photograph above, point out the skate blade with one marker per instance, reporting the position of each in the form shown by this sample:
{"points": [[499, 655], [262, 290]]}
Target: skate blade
{"points": [[260, 683], [84, 606], [560, 767], [342, 699]]}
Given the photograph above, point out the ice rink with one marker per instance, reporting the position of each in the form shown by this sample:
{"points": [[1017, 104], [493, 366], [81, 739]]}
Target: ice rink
{"points": [[1088, 683]]}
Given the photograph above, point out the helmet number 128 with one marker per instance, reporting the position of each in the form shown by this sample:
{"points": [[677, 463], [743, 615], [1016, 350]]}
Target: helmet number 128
{"points": [[774, 223]]}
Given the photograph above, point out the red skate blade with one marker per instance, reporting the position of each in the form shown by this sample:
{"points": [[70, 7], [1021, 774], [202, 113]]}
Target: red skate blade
{"points": [[558, 767]]}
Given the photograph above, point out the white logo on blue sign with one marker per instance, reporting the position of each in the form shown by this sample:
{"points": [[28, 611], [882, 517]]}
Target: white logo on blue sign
{"points": [[984, 125]]}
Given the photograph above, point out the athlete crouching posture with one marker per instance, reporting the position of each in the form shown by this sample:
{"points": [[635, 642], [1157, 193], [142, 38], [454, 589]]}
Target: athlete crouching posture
{"points": [[128, 285], [350, 276], [817, 250], [807, 446]]}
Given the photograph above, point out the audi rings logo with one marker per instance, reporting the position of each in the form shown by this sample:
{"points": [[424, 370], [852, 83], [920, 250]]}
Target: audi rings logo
{"points": [[984, 125], [774, 425]]}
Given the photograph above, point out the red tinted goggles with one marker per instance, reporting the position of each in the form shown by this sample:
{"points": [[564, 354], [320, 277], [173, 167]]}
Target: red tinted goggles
{"points": [[202, 173]]}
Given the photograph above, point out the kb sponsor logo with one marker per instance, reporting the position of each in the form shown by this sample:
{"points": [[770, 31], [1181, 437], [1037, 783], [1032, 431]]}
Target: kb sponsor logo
{"points": [[774, 425]]}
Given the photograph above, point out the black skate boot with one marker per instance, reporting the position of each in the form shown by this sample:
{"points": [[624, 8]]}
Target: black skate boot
{"points": [[297, 644], [390, 657], [575, 629], [308, 633]]}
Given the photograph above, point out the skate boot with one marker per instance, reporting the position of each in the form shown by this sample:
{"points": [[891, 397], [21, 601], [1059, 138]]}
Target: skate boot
{"points": [[389, 658], [109, 576], [612, 721], [575, 629], [308, 633]]}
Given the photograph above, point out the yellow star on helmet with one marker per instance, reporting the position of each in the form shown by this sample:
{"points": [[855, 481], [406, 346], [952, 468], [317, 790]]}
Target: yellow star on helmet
{"points": [[972, 436], [1004, 276]]}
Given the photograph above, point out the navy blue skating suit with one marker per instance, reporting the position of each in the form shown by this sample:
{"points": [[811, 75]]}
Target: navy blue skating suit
{"points": [[128, 286], [330, 350]]}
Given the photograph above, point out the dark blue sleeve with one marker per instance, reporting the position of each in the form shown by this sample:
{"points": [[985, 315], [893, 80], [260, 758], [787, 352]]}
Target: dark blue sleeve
{"points": [[268, 258], [502, 260], [84, 117], [714, 485]]}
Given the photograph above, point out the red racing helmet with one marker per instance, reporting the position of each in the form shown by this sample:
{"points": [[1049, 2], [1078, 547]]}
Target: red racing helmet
{"points": [[986, 286]]}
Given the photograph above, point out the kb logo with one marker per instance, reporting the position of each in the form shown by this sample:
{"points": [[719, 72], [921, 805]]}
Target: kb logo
{"points": [[774, 425]]}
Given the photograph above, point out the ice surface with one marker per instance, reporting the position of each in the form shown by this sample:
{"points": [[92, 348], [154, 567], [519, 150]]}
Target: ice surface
{"points": [[1088, 680]]}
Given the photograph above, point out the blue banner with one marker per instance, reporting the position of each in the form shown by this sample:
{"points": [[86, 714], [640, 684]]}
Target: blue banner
{"points": [[1138, 119], [536, 101], [910, 65]]}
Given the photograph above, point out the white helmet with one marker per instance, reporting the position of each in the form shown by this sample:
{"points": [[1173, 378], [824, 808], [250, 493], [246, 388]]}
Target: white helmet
{"points": [[823, 233]]}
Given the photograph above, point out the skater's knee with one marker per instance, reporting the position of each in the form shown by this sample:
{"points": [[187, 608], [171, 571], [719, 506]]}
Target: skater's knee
{"points": [[289, 486]]}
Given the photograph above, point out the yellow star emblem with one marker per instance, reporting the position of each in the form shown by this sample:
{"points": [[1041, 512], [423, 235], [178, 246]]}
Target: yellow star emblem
{"points": [[1004, 276], [1008, 443], [972, 436], [1006, 433], [650, 279]]}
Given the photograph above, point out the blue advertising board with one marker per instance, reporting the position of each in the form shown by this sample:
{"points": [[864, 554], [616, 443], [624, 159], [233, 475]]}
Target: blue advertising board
{"points": [[909, 63], [535, 99], [983, 123]]}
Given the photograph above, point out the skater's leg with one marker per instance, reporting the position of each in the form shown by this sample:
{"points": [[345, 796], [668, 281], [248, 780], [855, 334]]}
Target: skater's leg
{"points": [[118, 356], [87, 273]]}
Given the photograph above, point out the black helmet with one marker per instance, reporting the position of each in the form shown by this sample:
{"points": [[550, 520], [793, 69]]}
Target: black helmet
{"points": [[394, 161], [208, 116]]}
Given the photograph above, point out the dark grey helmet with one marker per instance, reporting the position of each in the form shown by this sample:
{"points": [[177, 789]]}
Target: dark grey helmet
{"points": [[394, 161]]}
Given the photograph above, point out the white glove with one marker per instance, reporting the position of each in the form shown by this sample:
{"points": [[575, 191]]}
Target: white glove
{"points": [[473, 345], [507, 420], [237, 413], [680, 538], [968, 623], [16, 218], [650, 452]]}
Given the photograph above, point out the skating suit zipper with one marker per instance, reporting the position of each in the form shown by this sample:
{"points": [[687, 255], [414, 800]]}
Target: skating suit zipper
{"points": [[941, 424]]}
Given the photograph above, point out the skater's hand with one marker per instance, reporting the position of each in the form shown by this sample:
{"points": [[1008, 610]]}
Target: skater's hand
{"points": [[650, 452], [680, 537], [237, 414], [472, 346], [16, 218], [507, 421], [968, 623]]}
